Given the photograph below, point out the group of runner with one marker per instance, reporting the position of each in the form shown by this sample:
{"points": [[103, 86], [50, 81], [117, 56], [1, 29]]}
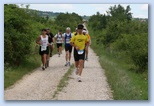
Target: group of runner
{"points": [[79, 40]]}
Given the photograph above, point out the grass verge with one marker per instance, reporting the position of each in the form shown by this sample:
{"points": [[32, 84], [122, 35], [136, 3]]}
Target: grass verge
{"points": [[13, 74], [64, 81], [125, 83]]}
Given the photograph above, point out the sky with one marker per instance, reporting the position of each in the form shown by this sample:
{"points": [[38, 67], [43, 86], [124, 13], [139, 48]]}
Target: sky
{"points": [[138, 10]]}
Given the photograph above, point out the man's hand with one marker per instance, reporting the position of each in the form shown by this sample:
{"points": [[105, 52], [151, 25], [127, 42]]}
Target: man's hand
{"points": [[77, 48]]}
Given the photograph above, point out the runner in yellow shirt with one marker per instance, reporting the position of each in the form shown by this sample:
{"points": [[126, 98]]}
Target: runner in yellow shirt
{"points": [[78, 42]]}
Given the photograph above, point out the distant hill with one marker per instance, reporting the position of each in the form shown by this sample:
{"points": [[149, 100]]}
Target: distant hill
{"points": [[53, 15]]}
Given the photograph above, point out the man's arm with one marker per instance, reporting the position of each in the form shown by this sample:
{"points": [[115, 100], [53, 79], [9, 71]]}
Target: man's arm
{"points": [[38, 40]]}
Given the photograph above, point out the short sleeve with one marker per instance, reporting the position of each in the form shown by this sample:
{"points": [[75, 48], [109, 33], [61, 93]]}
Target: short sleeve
{"points": [[55, 36], [72, 39], [63, 35]]}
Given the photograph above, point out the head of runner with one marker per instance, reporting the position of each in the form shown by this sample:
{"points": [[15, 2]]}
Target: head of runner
{"points": [[48, 30], [84, 31], [60, 32], [44, 31], [80, 28], [68, 30]]}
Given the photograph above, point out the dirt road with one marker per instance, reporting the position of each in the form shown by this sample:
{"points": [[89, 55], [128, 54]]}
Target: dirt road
{"points": [[94, 84], [40, 85]]}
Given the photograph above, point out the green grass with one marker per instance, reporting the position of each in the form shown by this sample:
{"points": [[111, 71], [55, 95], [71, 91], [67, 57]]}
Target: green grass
{"points": [[125, 83], [13, 74], [64, 81]]}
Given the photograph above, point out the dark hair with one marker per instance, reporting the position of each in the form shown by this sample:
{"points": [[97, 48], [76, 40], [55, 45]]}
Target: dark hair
{"points": [[80, 26], [47, 28], [60, 30], [44, 30]]}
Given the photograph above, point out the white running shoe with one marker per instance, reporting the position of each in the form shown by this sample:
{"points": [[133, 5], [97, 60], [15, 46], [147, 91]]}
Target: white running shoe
{"points": [[43, 67]]}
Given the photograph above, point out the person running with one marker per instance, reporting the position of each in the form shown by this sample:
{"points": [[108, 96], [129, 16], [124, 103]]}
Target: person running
{"points": [[51, 41], [78, 42], [88, 44], [42, 40], [68, 48], [59, 40]]}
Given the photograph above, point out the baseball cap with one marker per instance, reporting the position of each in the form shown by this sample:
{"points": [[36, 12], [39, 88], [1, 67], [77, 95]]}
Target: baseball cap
{"points": [[80, 26]]}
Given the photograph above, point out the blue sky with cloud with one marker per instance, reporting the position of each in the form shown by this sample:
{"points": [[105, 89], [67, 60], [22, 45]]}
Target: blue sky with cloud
{"points": [[138, 10]]}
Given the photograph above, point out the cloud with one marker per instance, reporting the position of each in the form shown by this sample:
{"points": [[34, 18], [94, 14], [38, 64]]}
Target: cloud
{"points": [[140, 16], [144, 7], [102, 8], [52, 7]]}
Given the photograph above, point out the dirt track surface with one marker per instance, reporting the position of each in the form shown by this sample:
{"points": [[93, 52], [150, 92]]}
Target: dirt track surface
{"points": [[40, 85], [94, 84]]}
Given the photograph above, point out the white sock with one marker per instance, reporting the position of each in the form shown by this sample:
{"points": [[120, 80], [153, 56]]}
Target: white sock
{"points": [[79, 77]]}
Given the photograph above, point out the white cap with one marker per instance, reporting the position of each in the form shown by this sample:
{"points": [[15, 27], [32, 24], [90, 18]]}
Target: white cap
{"points": [[68, 28], [84, 31]]}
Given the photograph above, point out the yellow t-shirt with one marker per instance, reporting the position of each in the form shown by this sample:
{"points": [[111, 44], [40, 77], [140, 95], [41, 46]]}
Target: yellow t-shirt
{"points": [[79, 41], [73, 33]]}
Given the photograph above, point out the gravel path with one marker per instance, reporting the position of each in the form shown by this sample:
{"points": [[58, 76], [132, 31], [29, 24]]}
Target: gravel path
{"points": [[40, 85], [94, 84]]}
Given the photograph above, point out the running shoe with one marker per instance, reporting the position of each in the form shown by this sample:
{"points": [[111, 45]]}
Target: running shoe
{"points": [[79, 81], [69, 63], [43, 67], [66, 64]]}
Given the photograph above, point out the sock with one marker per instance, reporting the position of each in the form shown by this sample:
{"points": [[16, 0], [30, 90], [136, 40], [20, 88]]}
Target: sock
{"points": [[79, 77]]}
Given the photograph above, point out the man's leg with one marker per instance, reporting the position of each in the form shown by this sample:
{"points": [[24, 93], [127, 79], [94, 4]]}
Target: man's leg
{"points": [[77, 64], [44, 60], [86, 50], [51, 50], [80, 67], [60, 49], [66, 57]]}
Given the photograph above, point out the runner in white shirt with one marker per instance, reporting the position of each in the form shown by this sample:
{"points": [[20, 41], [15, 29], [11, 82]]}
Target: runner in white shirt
{"points": [[59, 40], [42, 40]]}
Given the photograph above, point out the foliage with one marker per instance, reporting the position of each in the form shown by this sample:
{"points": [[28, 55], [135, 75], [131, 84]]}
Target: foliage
{"points": [[23, 25], [121, 35], [68, 20]]}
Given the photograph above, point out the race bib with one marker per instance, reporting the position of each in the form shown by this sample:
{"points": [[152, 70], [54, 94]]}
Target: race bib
{"points": [[80, 52], [67, 40], [43, 48]]}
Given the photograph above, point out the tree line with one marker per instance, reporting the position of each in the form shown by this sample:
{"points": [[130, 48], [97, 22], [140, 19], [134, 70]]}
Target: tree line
{"points": [[22, 26], [122, 36]]}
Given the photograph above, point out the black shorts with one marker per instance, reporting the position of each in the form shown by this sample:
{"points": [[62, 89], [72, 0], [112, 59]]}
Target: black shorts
{"points": [[59, 45], [44, 52], [68, 48], [77, 56]]}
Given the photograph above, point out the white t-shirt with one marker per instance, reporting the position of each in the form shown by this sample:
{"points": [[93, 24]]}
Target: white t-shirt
{"points": [[59, 38], [44, 43]]}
